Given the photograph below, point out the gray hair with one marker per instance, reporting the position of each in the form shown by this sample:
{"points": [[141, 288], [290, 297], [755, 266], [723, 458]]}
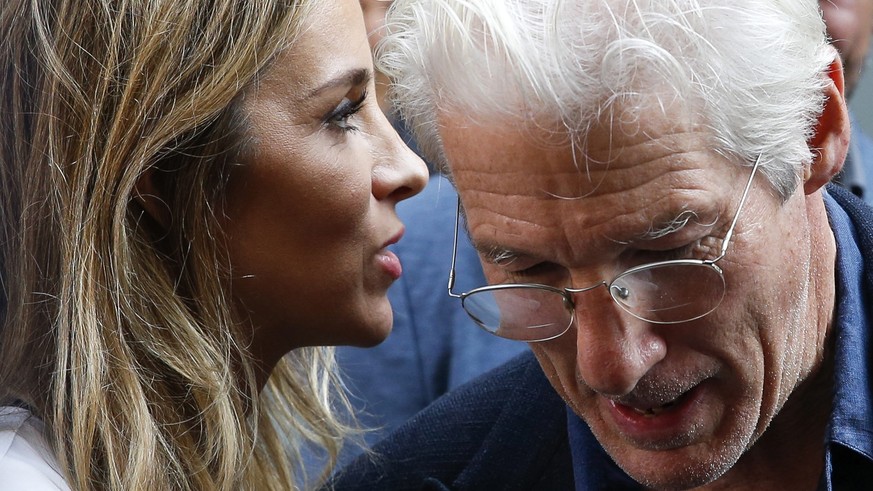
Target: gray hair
{"points": [[755, 70]]}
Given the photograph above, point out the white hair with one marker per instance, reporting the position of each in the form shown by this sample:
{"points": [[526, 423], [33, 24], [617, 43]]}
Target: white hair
{"points": [[755, 70]]}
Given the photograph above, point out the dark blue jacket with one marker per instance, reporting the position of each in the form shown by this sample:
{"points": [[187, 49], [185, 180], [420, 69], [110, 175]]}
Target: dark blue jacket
{"points": [[505, 430]]}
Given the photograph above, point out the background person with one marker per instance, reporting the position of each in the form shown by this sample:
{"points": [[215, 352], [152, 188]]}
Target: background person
{"points": [[374, 20], [434, 346], [191, 190], [655, 175], [849, 25]]}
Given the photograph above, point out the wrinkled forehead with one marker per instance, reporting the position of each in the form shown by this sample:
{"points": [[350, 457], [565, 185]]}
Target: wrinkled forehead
{"points": [[629, 172], [546, 157]]}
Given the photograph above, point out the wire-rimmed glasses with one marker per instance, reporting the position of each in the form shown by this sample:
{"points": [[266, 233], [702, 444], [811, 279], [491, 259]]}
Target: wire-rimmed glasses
{"points": [[663, 292]]}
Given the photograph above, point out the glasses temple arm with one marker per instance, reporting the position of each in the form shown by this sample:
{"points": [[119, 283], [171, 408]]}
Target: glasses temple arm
{"points": [[455, 250], [730, 232]]}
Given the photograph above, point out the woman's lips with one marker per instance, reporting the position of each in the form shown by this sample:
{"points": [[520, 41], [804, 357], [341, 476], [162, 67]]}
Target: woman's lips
{"points": [[390, 263]]}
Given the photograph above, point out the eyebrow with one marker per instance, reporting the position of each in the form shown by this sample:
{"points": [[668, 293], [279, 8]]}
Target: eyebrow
{"points": [[496, 254], [670, 226], [350, 78], [490, 252]]}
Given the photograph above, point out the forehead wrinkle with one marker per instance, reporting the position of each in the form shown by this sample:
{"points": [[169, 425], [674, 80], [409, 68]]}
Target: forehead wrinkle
{"points": [[596, 152], [619, 176], [571, 232], [613, 145], [608, 233], [501, 233], [490, 246], [628, 203]]}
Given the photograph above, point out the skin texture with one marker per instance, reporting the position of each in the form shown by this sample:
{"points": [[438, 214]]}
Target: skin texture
{"points": [[311, 209], [758, 361], [374, 20], [849, 24]]}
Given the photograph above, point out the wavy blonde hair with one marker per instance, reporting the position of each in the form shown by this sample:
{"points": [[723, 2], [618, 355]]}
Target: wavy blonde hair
{"points": [[117, 332]]}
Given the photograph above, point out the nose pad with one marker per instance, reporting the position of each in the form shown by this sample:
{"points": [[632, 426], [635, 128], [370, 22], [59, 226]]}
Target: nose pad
{"points": [[402, 174], [613, 348]]}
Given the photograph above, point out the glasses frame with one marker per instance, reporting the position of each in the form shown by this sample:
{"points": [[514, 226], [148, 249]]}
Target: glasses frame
{"points": [[567, 293]]}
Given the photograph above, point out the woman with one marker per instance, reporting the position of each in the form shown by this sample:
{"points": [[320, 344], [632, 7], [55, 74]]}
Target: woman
{"points": [[190, 190]]}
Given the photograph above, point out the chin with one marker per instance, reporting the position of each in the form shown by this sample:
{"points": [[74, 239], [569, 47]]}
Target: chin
{"points": [[673, 470], [367, 338], [688, 479], [373, 329], [380, 331]]}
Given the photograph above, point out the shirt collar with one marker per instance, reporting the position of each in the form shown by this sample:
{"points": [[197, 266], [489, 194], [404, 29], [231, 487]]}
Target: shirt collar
{"points": [[851, 422]]}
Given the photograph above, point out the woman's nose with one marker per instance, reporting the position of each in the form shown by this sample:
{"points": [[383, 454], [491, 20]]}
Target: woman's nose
{"points": [[402, 174]]}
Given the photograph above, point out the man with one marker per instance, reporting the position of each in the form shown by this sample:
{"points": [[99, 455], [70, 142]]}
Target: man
{"points": [[644, 182], [849, 25]]}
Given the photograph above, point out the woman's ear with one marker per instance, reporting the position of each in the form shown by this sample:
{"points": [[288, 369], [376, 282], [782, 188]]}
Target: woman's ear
{"points": [[830, 143], [148, 195]]}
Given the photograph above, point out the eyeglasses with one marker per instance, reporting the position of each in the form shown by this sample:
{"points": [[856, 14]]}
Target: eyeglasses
{"points": [[663, 292]]}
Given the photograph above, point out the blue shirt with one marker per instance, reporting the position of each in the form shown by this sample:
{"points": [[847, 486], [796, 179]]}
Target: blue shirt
{"points": [[849, 438]]}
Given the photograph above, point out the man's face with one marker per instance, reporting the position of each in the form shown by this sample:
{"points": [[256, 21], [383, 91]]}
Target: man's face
{"points": [[674, 405]]}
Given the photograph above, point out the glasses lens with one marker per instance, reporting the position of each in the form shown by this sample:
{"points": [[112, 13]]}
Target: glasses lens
{"points": [[522, 313], [671, 292]]}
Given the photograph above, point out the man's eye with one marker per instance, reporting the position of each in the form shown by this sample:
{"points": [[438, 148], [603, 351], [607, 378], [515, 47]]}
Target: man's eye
{"points": [[340, 116], [703, 248], [684, 252], [544, 272]]}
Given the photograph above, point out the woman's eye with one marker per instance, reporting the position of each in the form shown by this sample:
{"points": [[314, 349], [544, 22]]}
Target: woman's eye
{"points": [[340, 117]]}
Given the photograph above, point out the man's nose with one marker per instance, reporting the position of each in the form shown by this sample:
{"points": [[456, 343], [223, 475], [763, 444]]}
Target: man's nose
{"points": [[613, 349]]}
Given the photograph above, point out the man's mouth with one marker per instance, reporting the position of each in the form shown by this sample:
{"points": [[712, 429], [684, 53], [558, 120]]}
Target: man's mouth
{"points": [[651, 407], [653, 411]]}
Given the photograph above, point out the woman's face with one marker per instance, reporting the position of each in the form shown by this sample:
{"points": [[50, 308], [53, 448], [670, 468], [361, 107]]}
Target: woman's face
{"points": [[310, 211]]}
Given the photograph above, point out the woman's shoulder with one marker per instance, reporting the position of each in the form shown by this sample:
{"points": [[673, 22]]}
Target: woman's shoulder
{"points": [[26, 460]]}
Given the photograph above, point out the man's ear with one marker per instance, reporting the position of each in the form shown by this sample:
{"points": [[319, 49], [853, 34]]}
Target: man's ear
{"points": [[148, 195], [830, 143]]}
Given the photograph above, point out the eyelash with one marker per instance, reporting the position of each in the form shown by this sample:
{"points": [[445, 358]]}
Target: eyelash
{"points": [[339, 117], [549, 269], [699, 246], [539, 272]]}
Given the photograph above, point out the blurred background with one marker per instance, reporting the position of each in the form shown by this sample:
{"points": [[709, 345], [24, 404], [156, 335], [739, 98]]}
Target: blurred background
{"points": [[862, 102]]}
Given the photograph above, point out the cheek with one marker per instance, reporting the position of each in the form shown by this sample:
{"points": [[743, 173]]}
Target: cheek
{"points": [[759, 330], [282, 217], [298, 227]]}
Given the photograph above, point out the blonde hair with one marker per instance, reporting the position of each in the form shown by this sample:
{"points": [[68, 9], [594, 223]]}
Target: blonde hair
{"points": [[115, 331]]}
